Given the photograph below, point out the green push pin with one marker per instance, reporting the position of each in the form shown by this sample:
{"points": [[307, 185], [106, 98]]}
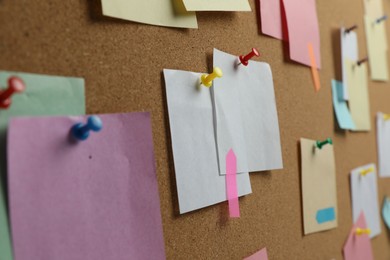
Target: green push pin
{"points": [[319, 144]]}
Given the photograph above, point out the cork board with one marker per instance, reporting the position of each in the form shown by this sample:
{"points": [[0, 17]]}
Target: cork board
{"points": [[122, 64]]}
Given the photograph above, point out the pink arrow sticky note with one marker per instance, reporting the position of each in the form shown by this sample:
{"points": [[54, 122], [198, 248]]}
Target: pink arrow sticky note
{"points": [[231, 184]]}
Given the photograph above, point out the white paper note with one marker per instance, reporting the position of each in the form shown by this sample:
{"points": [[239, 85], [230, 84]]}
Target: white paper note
{"points": [[246, 116], [193, 143], [349, 50], [383, 143], [365, 197]]}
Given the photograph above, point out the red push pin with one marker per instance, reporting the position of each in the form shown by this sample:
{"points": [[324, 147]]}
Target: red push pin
{"points": [[244, 59], [15, 85]]}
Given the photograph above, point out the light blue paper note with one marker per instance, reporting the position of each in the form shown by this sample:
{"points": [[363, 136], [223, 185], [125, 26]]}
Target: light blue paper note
{"points": [[386, 211], [340, 106]]}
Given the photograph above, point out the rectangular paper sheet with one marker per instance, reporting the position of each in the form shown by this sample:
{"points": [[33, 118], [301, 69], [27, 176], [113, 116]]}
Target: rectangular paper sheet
{"points": [[169, 13], [246, 118], [383, 143], [302, 24], [349, 50], [364, 191], [373, 8], [358, 247], [193, 143], [95, 199], [217, 5], [318, 187], [377, 48], [44, 95], [341, 109], [359, 105], [271, 18]]}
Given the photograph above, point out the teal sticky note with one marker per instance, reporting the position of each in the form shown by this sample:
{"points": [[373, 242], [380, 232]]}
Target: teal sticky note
{"points": [[343, 115], [325, 215], [386, 211], [44, 96]]}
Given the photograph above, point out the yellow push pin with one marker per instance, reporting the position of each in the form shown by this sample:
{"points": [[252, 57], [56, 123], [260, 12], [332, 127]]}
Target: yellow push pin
{"points": [[207, 80], [386, 117], [362, 231], [366, 171]]}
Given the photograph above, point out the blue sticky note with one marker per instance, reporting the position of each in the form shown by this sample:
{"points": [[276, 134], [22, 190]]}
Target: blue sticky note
{"points": [[340, 106], [386, 211], [325, 215]]}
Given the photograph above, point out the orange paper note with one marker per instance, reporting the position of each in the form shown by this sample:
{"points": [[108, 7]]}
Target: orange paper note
{"points": [[314, 71]]}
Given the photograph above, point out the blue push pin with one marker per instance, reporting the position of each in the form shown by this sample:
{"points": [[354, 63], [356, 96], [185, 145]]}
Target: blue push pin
{"points": [[81, 131]]}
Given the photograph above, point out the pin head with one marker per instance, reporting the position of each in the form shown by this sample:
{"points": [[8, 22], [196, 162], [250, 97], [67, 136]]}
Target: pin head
{"points": [[320, 144], [207, 80], [81, 131], [244, 60], [15, 85]]}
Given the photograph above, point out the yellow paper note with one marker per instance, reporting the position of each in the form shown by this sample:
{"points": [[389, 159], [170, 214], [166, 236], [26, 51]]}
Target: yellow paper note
{"points": [[217, 5], [377, 49], [359, 104], [157, 12], [373, 8], [318, 187]]}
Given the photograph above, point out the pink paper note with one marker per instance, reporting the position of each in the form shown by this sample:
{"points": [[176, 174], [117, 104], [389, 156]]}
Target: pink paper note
{"points": [[358, 247], [231, 184], [95, 199], [271, 18], [302, 24], [261, 255]]}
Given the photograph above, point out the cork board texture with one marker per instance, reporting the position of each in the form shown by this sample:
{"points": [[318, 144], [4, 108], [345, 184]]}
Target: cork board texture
{"points": [[122, 64]]}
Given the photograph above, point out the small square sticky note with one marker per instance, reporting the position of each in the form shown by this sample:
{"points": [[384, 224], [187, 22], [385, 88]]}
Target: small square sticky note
{"points": [[318, 186], [364, 191], [92, 199]]}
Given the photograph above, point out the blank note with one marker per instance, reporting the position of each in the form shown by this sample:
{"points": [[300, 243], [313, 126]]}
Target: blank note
{"points": [[96, 199], [302, 24], [364, 191], [318, 187], [193, 143]]}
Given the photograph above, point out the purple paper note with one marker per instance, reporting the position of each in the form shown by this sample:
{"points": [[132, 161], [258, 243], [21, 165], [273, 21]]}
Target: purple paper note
{"points": [[95, 199], [358, 247], [302, 24]]}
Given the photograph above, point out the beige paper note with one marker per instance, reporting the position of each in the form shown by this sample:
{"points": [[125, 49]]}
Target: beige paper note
{"points": [[373, 8], [377, 49], [318, 187], [217, 5], [156, 12], [359, 103]]}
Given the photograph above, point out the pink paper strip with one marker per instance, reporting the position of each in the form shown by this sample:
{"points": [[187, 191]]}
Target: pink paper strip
{"points": [[231, 184]]}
